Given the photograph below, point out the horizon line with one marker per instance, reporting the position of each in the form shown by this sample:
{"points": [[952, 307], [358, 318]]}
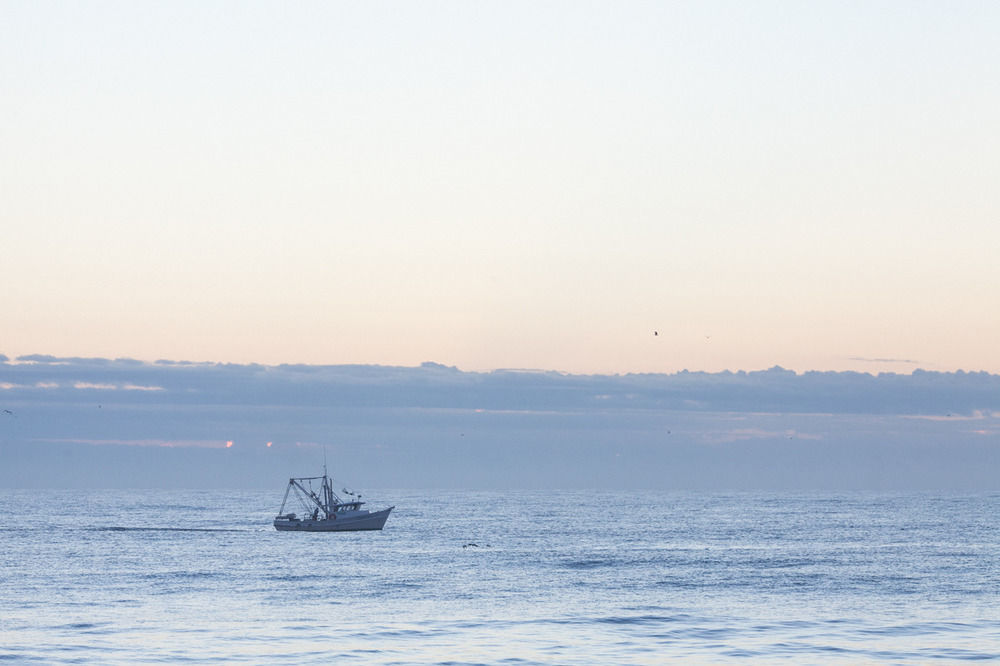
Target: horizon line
{"points": [[51, 359]]}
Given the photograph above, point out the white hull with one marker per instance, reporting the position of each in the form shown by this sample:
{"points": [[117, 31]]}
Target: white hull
{"points": [[349, 523]]}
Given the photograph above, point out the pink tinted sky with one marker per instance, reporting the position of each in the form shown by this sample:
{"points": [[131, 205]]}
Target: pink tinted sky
{"points": [[503, 185]]}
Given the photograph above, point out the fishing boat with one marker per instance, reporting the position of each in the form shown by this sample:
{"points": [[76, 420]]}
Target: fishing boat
{"points": [[324, 510]]}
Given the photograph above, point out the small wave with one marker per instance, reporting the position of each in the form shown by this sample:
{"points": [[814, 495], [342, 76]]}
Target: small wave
{"points": [[916, 629], [87, 627], [921, 655], [402, 633], [743, 653], [170, 576], [960, 654], [587, 564], [290, 578], [639, 619], [646, 619]]}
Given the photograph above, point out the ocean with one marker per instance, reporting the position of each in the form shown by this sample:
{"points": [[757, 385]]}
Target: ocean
{"points": [[521, 577]]}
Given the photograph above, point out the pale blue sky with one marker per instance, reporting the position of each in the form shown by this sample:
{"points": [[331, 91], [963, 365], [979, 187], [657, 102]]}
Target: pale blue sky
{"points": [[503, 184]]}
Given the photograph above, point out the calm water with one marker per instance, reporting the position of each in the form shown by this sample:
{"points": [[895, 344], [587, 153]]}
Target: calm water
{"points": [[554, 577]]}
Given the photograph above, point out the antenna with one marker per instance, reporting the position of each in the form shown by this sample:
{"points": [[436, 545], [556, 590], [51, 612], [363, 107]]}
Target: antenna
{"points": [[324, 460]]}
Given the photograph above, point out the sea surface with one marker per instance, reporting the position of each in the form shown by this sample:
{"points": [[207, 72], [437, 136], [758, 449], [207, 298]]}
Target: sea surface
{"points": [[133, 577]]}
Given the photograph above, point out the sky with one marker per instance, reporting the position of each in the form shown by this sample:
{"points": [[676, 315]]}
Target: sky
{"points": [[503, 184]]}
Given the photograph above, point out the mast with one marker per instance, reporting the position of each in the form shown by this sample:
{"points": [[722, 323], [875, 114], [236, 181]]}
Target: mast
{"points": [[328, 492], [327, 487]]}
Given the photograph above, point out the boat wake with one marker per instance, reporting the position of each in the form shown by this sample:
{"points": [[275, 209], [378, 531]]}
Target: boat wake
{"points": [[165, 529]]}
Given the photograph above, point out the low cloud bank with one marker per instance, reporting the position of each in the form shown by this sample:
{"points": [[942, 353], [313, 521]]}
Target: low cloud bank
{"points": [[37, 379], [116, 422]]}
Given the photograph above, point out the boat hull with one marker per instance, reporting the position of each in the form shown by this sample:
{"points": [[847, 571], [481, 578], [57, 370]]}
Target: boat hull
{"points": [[371, 521]]}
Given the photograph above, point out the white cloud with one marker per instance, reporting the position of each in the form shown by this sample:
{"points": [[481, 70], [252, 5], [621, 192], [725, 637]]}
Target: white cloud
{"points": [[743, 434]]}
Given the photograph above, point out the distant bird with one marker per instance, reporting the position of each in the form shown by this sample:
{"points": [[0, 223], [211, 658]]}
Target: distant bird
{"points": [[7, 411], [656, 333]]}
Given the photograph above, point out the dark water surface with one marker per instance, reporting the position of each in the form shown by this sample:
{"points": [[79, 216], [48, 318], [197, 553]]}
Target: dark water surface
{"points": [[478, 577]]}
